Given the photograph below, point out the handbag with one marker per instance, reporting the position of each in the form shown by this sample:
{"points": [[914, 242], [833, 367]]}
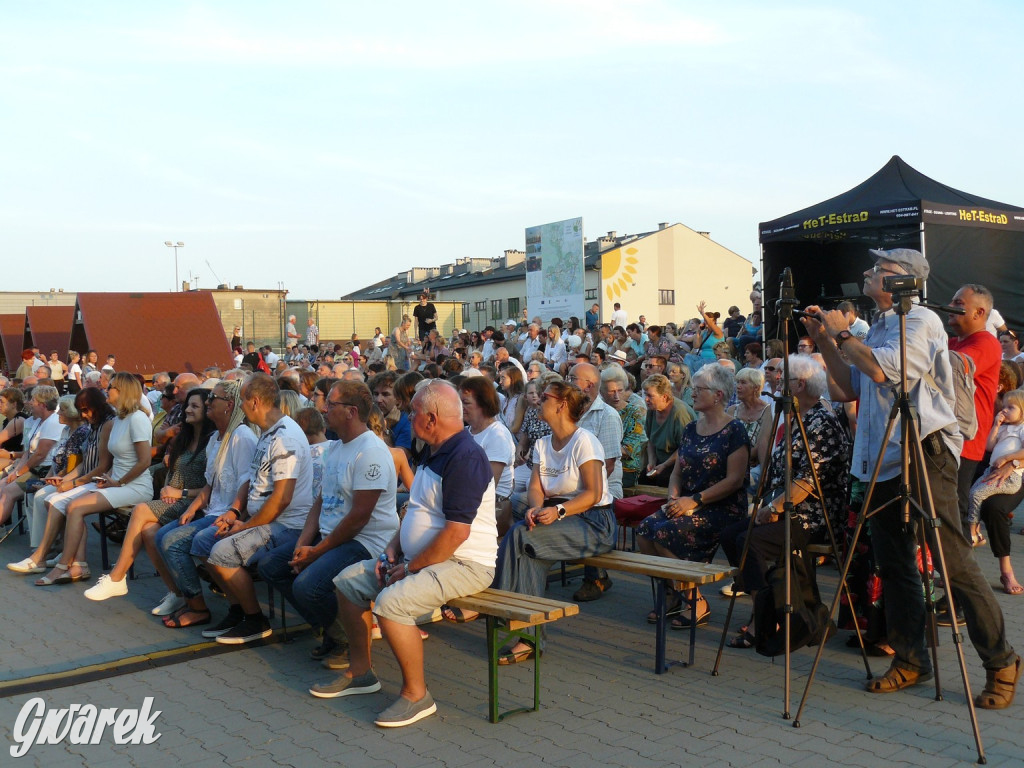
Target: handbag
{"points": [[630, 511]]}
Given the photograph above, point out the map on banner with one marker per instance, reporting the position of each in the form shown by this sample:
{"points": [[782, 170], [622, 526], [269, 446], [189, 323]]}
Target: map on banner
{"points": [[554, 269]]}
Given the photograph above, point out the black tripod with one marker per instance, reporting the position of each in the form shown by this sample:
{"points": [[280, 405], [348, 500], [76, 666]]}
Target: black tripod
{"points": [[911, 458], [789, 414]]}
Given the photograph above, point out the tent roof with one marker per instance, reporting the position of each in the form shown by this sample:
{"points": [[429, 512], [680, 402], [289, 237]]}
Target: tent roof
{"points": [[12, 332], [151, 332], [896, 196], [50, 328]]}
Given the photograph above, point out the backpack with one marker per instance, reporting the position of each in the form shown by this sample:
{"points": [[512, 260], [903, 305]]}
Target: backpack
{"points": [[809, 619], [963, 393]]}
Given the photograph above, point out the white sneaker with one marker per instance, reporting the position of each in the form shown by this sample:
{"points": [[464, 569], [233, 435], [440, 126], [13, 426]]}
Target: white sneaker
{"points": [[106, 587], [170, 603], [731, 589]]}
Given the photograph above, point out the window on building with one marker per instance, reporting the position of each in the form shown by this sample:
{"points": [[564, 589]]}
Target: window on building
{"points": [[513, 308], [465, 314], [591, 294], [495, 309], [666, 297], [480, 306]]}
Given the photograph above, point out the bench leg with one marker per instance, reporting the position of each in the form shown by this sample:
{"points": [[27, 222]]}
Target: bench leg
{"points": [[497, 636], [661, 665]]}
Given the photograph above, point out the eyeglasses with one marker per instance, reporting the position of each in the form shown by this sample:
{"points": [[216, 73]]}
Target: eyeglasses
{"points": [[876, 269], [698, 388], [333, 403], [110, 387], [211, 398], [549, 396], [770, 368]]}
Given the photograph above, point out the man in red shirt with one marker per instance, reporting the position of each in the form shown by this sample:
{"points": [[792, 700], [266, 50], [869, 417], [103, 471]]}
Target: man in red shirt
{"points": [[972, 339]]}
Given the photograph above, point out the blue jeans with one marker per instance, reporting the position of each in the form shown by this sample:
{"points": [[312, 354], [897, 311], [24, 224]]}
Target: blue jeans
{"points": [[175, 544], [312, 590], [894, 546]]}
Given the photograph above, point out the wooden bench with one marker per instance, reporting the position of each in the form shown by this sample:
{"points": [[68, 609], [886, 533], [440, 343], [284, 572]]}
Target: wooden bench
{"points": [[512, 616], [659, 569]]}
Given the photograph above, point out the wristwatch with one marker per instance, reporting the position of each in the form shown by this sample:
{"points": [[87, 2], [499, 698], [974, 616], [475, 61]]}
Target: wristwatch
{"points": [[561, 511], [697, 497], [842, 337]]}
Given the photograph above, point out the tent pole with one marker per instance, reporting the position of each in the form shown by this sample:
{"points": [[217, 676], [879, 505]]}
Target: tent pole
{"points": [[924, 252]]}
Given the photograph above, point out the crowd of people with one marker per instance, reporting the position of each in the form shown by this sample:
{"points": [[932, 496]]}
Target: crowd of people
{"points": [[373, 482]]}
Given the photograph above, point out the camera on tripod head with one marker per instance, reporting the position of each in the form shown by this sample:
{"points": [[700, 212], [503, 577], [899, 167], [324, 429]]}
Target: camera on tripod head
{"points": [[902, 284]]}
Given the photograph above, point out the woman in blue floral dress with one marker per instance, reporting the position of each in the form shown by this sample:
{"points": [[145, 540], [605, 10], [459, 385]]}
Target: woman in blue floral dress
{"points": [[706, 492]]}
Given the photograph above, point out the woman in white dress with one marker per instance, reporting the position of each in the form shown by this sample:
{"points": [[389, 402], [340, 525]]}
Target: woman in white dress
{"points": [[126, 484]]}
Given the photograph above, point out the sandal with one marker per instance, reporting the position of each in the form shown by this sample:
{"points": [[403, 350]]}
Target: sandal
{"points": [[743, 640], [673, 605], [513, 656], [896, 679], [65, 577], [1010, 585], [1000, 686], [457, 615], [177, 619], [683, 622]]}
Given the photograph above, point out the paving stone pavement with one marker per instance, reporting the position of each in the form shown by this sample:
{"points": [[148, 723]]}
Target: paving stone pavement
{"points": [[601, 703]]}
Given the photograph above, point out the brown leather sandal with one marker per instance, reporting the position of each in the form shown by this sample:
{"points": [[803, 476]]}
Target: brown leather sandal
{"points": [[896, 679], [1000, 686]]}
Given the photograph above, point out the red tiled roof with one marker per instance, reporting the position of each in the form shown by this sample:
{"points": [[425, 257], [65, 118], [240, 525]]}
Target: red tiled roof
{"points": [[50, 329], [151, 332], [12, 331]]}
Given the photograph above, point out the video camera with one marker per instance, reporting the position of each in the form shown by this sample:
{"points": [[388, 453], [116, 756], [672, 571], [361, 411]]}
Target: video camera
{"points": [[902, 284]]}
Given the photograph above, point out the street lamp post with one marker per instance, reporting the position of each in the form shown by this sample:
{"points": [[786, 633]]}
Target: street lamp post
{"points": [[175, 246]]}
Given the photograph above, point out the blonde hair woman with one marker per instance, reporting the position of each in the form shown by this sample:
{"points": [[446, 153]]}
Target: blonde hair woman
{"points": [[127, 483]]}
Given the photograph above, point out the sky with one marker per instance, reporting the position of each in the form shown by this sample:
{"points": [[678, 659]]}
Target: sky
{"points": [[323, 146]]}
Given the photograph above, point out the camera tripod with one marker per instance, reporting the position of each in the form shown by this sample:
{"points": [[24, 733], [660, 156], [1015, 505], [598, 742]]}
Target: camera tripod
{"points": [[789, 414], [926, 526]]}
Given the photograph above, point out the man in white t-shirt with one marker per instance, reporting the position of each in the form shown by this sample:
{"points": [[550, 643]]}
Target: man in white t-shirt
{"points": [[619, 317], [352, 520], [445, 548], [605, 423], [270, 509]]}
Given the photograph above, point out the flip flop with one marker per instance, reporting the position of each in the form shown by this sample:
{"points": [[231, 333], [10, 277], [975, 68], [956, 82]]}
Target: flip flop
{"points": [[457, 615], [174, 621], [683, 622]]}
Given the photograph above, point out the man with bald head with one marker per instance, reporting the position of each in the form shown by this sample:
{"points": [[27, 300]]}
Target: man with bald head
{"points": [[603, 422], [183, 384], [445, 548]]}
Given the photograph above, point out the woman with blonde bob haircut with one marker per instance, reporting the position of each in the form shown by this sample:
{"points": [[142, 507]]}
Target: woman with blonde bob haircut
{"points": [[127, 483]]}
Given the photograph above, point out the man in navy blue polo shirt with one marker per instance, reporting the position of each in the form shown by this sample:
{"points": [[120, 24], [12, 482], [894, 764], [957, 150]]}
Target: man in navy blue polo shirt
{"points": [[445, 548]]}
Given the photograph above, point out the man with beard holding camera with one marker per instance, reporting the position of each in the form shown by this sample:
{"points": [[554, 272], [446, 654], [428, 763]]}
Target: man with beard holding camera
{"points": [[871, 372]]}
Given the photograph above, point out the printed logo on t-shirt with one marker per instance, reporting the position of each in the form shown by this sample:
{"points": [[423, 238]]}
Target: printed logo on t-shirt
{"points": [[373, 472]]}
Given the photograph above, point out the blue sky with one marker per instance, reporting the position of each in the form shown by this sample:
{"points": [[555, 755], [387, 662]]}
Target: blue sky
{"points": [[327, 145]]}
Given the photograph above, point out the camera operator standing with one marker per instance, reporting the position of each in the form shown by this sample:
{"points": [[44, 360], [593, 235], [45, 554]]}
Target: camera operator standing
{"points": [[870, 372]]}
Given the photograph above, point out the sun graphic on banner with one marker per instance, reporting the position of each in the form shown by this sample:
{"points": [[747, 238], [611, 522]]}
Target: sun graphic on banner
{"points": [[617, 271]]}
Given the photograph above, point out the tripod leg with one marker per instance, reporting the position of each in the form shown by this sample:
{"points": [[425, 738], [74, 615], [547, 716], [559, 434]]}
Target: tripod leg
{"points": [[758, 498], [834, 544], [930, 517]]}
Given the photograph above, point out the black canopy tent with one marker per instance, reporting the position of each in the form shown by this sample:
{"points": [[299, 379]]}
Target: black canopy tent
{"points": [[966, 239]]}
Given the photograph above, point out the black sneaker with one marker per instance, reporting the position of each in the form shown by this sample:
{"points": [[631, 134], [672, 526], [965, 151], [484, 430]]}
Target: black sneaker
{"points": [[942, 618], [327, 647], [234, 617], [592, 589], [249, 629]]}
